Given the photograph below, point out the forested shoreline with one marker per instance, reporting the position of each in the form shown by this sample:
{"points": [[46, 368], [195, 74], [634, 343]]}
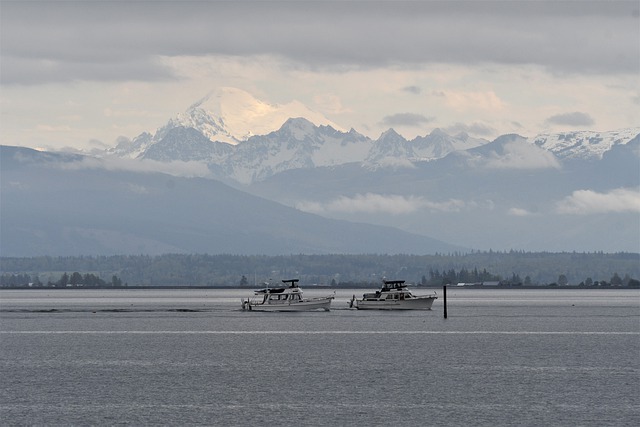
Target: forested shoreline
{"points": [[511, 268]]}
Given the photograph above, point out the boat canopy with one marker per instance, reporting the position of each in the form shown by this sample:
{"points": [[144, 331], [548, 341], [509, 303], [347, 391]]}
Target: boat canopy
{"points": [[293, 282], [393, 284]]}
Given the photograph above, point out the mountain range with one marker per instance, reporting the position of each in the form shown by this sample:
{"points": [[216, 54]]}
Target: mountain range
{"points": [[295, 137], [236, 175]]}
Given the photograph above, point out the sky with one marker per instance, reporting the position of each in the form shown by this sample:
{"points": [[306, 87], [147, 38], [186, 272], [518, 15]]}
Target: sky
{"points": [[81, 74]]}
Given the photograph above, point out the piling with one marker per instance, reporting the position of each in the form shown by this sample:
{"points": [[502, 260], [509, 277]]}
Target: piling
{"points": [[444, 296]]}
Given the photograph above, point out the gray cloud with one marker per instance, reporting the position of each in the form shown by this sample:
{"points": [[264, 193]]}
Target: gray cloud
{"points": [[571, 119], [83, 40], [406, 119], [412, 89], [39, 71]]}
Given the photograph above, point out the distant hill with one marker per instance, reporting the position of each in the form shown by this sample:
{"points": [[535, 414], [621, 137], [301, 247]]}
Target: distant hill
{"points": [[59, 204]]}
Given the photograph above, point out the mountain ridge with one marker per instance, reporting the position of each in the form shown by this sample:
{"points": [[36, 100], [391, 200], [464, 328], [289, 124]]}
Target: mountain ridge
{"points": [[301, 142]]}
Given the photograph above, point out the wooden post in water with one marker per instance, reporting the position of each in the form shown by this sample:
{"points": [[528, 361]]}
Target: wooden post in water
{"points": [[444, 294]]}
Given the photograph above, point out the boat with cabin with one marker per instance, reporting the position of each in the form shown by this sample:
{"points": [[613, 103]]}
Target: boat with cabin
{"points": [[394, 295], [285, 298]]}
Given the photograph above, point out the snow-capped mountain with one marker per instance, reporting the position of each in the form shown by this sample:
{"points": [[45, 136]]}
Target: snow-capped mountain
{"points": [[232, 115], [245, 140], [227, 115], [186, 144], [392, 146], [584, 145], [297, 144]]}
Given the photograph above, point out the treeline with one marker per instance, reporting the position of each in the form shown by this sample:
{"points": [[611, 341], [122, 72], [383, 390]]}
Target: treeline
{"points": [[474, 276], [73, 280], [513, 267]]}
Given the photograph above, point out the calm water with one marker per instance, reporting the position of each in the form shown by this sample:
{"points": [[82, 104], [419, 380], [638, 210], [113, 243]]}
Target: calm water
{"points": [[148, 357]]}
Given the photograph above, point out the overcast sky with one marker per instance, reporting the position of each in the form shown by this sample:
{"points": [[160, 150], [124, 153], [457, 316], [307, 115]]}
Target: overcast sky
{"points": [[82, 73]]}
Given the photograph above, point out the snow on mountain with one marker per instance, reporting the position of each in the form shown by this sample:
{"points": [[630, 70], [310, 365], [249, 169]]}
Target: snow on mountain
{"points": [[300, 144], [511, 152], [297, 144], [438, 144], [187, 144], [228, 115], [392, 150], [585, 145], [245, 140], [134, 147], [389, 145], [232, 115]]}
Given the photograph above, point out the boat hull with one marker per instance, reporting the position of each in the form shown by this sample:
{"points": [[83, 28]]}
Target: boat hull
{"points": [[416, 303], [304, 305]]}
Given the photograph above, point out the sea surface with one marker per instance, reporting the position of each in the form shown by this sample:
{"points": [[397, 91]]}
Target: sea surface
{"points": [[192, 357]]}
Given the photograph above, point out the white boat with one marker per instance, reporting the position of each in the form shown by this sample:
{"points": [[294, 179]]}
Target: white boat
{"points": [[288, 298], [393, 295]]}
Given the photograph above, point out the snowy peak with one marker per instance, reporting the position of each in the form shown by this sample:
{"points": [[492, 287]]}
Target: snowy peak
{"points": [[433, 146], [297, 128], [232, 115], [297, 144], [212, 127], [438, 144], [585, 145], [227, 115]]}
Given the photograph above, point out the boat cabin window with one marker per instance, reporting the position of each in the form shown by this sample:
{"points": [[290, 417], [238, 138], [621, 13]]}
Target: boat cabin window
{"points": [[284, 297]]}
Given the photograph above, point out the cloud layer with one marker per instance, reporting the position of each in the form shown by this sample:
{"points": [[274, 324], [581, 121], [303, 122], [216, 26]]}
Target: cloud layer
{"points": [[75, 71], [176, 168], [371, 203], [67, 41], [587, 202]]}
